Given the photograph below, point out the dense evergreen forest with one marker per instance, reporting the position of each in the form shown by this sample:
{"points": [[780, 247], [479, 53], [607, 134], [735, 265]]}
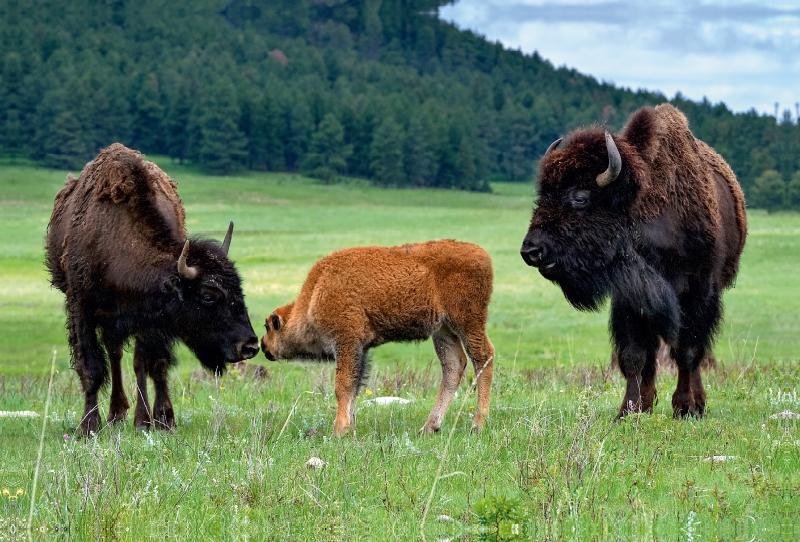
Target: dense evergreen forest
{"points": [[379, 89]]}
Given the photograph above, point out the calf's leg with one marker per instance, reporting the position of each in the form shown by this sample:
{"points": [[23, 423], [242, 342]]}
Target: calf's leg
{"points": [[351, 364], [481, 352], [453, 360]]}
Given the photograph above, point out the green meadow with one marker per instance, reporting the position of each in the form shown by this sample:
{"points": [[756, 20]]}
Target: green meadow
{"points": [[551, 463]]}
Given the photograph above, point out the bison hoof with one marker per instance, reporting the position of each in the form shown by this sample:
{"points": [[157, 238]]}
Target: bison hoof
{"points": [[165, 421], [117, 416], [91, 423], [477, 429], [686, 406]]}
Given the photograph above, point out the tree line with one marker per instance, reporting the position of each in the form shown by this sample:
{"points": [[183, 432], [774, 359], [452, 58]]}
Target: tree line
{"points": [[378, 89]]}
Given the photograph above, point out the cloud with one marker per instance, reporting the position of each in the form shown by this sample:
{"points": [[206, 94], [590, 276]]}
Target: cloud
{"points": [[741, 53]]}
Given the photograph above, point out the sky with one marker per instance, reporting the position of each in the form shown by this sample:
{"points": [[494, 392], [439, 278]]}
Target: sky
{"points": [[743, 53]]}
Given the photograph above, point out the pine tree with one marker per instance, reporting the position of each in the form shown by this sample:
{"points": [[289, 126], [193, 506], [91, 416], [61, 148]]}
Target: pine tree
{"points": [[419, 158], [328, 153], [387, 154], [769, 192], [176, 122], [65, 146], [147, 126], [222, 146], [10, 122], [793, 192]]}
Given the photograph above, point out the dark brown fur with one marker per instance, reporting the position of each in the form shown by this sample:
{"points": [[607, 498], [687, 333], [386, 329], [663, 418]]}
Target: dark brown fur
{"points": [[663, 240], [359, 298], [113, 243]]}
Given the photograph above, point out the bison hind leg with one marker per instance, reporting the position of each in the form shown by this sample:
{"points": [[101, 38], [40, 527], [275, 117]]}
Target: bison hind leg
{"points": [[118, 407], [453, 361]]}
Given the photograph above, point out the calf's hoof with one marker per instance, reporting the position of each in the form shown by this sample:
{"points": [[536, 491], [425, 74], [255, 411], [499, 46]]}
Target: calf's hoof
{"points": [[429, 429], [340, 429]]}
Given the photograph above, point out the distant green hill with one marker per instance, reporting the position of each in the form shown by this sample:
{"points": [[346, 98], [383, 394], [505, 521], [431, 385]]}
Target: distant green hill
{"points": [[380, 89]]}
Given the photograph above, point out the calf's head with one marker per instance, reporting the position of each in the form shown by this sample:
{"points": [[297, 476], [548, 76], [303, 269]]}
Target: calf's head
{"points": [[273, 343], [580, 227], [208, 307]]}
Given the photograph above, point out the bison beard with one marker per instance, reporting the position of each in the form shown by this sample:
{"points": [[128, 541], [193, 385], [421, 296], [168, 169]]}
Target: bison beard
{"points": [[653, 219], [116, 247]]}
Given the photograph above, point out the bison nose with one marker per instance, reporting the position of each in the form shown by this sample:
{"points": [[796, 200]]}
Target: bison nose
{"points": [[249, 348], [533, 253]]}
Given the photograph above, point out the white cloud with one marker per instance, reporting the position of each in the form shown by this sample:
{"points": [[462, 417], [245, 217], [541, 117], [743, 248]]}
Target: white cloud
{"points": [[743, 53]]}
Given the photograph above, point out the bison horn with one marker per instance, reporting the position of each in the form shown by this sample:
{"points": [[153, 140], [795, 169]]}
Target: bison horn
{"points": [[554, 145], [226, 243], [614, 164], [186, 272]]}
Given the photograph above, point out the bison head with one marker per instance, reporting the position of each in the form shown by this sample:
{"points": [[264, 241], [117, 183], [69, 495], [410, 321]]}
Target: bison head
{"points": [[208, 309], [272, 343], [581, 232]]}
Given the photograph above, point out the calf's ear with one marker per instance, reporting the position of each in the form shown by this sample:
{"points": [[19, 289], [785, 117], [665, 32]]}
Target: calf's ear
{"points": [[277, 321]]}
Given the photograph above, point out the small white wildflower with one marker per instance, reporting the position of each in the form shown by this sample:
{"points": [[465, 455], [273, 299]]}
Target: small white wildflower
{"points": [[315, 463], [785, 415], [444, 519]]}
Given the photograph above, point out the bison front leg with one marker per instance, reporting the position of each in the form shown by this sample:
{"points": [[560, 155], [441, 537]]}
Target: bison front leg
{"points": [[118, 408], [636, 346], [163, 414], [350, 369], [453, 360]]}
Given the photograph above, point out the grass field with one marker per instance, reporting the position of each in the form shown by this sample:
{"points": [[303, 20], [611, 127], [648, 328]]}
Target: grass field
{"points": [[562, 469]]}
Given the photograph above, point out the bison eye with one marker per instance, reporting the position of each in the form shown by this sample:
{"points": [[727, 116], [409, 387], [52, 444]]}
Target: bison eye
{"points": [[208, 299], [580, 199]]}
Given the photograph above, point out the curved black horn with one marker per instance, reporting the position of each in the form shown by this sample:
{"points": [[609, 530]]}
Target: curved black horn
{"points": [[614, 164], [226, 243], [186, 272], [554, 145]]}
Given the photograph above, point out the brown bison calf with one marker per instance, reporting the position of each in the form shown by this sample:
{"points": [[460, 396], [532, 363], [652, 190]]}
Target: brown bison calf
{"points": [[359, 298]]}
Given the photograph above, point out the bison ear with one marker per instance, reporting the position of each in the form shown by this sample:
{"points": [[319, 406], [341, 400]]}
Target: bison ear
{"points": [[641, 129], [277, 321]]}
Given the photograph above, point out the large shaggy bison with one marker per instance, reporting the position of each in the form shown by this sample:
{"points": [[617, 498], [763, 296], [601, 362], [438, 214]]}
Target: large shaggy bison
{"points": [[654, 219], [359, 298], [117, 248]]}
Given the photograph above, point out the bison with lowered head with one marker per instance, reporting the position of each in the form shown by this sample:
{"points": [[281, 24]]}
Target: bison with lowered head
{"points": [[359, 298], [116, 246], [654, 219]]}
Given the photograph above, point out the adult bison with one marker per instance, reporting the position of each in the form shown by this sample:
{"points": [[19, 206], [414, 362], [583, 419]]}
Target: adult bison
{"points": [[655, 219], [359, 298], [116, 246]]}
